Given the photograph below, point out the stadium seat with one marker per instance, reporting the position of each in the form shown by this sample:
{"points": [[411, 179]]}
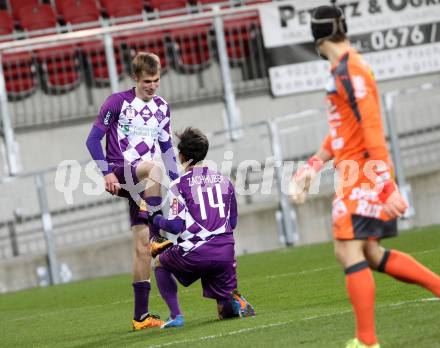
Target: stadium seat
{"points": [[59, 68], [79, 11], [20, 75], [93, 54], [239, 33], [253, 2], [153, 41], [6, 23], [191, 47], [36, 17], [123, 8], [177, 6], [16, 6]]}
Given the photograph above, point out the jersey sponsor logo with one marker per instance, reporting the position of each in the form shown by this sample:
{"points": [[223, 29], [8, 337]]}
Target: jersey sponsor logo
{"points": [[365, 208], [107, 118], [175, 207], [133, 130], [357, 193]]}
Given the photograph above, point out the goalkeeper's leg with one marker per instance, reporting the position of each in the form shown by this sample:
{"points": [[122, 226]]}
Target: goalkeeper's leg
{"points": [[401, 266]]}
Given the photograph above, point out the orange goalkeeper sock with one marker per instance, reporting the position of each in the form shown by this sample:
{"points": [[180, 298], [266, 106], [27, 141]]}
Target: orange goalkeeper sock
{"points": [[405, 268], [361, 291]]}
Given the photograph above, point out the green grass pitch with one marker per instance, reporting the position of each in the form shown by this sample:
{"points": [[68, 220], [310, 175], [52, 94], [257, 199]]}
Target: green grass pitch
{"points": [[298, 293]]}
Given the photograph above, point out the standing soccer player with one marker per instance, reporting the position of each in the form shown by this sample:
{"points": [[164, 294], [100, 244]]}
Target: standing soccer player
{"points": [[367, 202], [203, 211], [133, 122]]}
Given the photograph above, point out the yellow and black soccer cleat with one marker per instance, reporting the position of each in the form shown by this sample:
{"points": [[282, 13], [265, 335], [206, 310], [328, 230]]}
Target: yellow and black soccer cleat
{"points": [[158, 244], [149, 321]]}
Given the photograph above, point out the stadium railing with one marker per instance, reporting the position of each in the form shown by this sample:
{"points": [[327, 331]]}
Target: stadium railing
{"points": [[63, 73]]}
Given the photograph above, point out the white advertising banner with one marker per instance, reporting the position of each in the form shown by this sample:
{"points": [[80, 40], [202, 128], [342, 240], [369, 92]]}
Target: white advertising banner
{"points": [[397, 37]]}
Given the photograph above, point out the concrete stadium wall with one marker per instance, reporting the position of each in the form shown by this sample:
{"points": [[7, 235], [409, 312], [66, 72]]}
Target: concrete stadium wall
{"points": [[256, 231]]}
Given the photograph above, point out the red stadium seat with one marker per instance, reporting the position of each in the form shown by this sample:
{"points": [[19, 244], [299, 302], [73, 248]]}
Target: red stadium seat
{"points": [[94, 55], [36, 17], [144, 42], [20, 75], [123, 8], [169, 5], [59, 68], [6, 23], [253, 2], [78, 11], [191, 47], [16, 6], [238, 34]]}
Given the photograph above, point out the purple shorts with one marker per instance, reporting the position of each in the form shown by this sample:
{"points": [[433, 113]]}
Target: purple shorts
{"points": [[138, 212], [219, 278]]}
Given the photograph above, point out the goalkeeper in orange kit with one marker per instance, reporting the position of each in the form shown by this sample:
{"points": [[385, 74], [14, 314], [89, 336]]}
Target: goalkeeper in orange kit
{"points": [[367, 201]]}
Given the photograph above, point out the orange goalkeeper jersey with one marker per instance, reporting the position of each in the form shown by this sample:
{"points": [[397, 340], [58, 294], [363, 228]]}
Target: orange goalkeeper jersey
{"points": [[356, 131]]}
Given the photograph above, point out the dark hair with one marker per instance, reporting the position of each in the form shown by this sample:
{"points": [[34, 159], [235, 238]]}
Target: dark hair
{"points": [[145, 62], [193, 145], [328, 23]]}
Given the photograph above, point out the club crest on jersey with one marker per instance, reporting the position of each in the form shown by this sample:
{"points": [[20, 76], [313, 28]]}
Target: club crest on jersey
{"points": [[159, 115], [175, 207], [130, 112]]}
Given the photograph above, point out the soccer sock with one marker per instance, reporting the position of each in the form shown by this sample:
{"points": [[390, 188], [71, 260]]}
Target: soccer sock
{"points": [[405, 268], [361, 291], [168, 290], [154, 204], [141, 294]]}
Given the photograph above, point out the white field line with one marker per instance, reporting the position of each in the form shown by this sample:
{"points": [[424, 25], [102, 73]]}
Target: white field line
{"points": [[284, 323], [185, 290]]}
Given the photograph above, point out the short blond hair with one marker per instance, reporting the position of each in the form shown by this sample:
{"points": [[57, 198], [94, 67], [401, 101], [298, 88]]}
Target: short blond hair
{"points": [[145, 62]]}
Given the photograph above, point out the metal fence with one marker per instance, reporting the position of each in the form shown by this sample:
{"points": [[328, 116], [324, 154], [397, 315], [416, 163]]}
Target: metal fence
{"points": [[65, 77]]}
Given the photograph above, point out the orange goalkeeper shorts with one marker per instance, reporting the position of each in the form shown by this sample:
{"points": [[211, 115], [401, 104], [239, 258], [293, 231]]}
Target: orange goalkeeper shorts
{"points": [[358, 214]]}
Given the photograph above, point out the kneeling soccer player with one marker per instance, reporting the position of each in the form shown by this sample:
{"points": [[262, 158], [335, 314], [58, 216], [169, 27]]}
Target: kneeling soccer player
{"points": [[204, 213]]}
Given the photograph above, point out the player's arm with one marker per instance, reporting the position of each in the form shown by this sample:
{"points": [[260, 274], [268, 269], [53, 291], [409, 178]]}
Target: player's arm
{"points": [[166, 148], [365, 105], [175, 223], [233, 214], [303, 177], [93, 143]]}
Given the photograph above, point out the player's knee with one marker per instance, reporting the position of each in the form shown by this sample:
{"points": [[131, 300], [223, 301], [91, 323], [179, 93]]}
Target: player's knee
{"points": [[150, 170], [373, 253], [142, 251]]}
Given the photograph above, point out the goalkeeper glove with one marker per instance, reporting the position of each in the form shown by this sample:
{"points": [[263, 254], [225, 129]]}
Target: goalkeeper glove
{"points": [[303, 177], [394, 205]]}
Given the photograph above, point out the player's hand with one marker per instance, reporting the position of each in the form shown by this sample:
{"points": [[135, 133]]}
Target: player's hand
{"points": [[303, 177], [394, 205], [157, 219], [112, 184]]}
